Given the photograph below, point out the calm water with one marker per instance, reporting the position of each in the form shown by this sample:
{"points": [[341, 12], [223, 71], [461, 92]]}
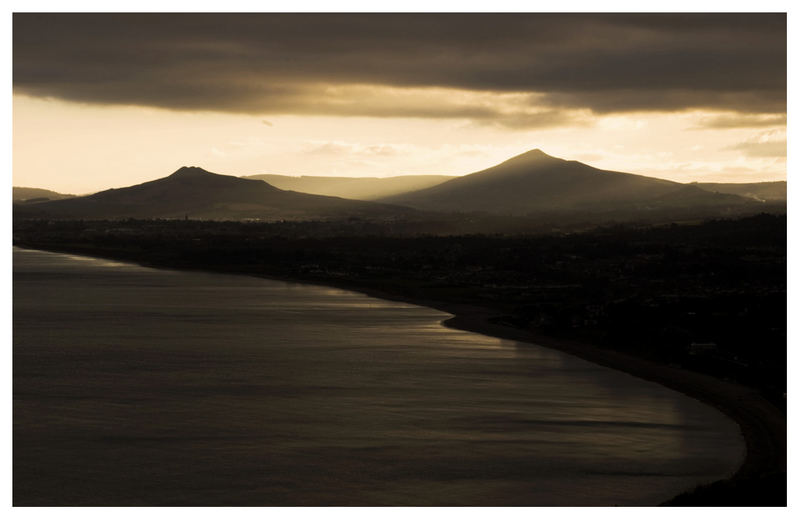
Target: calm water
{"points": [[138, 386]]}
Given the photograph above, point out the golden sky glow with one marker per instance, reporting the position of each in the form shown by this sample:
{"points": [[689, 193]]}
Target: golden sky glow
{"points": [[79, 148], [110, 99]]}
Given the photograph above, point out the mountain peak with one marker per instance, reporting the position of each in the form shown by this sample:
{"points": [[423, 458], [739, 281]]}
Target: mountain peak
{"points": [[535, 155], [536, 152], [190, 171]]}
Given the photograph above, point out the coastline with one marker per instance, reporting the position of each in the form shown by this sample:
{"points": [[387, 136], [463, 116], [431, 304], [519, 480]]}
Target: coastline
{"points": [[762, 425]]}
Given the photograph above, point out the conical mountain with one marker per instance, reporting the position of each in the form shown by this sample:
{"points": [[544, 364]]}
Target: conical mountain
{"points": [[536, 182], [197, 193]]}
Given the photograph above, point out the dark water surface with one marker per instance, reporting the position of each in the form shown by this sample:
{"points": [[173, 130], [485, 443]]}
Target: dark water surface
{"points": [[137, 386]]}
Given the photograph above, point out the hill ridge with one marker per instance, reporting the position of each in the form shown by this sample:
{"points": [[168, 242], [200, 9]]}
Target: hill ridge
{"points": [[193, 191], [534, 181]]}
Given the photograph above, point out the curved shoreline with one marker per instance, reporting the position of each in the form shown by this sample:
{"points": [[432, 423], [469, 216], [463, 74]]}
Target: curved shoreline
{"points": [[762, 425]]}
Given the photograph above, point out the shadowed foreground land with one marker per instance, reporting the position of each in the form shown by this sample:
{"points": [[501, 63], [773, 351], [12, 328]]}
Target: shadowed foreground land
{"points": [[683, 305]]}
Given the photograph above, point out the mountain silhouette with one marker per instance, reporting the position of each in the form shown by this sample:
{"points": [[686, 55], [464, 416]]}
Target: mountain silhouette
{"points": [[24, 195], [763, 191], [360, 188], [197, 193], [535, 182]]}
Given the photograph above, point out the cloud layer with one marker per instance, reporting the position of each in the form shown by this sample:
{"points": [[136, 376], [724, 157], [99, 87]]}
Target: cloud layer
{"points": [[517, 70]]}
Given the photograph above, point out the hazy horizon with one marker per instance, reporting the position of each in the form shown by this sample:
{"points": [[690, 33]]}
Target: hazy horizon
{"points": [[298, 176]]}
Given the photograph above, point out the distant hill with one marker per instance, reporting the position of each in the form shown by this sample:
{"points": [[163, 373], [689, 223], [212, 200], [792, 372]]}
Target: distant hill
{"points": [[32, 195], [764, 191], [196, 193], [360, 188], [535, 182]]}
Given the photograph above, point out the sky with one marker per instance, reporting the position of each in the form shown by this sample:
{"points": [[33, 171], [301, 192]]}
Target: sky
{"points": [[110, 100]]}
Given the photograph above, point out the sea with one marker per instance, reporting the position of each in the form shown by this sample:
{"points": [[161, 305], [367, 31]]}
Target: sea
{"points": [[135, 386]]}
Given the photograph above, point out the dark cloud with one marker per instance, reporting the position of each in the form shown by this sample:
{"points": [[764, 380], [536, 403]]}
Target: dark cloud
{"points": [[543, 119], [283, 63]]}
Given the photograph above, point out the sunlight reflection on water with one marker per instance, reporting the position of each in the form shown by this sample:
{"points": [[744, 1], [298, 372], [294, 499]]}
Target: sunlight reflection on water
{"points": [[143, 386]]}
